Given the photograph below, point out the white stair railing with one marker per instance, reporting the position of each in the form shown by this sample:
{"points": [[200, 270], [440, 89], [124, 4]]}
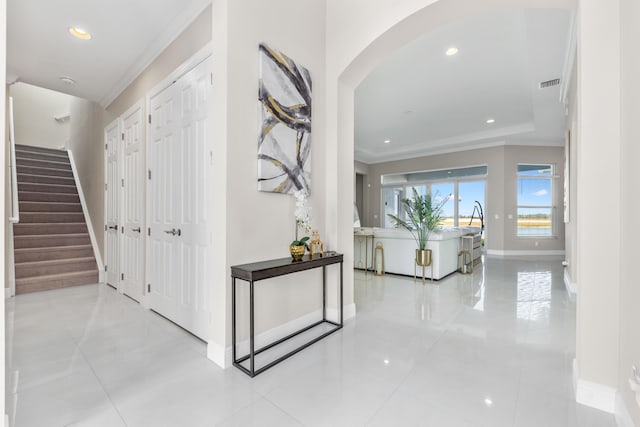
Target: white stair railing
{"points": [[14, 216]]}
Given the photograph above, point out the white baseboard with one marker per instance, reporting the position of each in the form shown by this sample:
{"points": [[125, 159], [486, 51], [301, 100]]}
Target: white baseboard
{"points": [[217, 355], [496, 252], [87, 218], [223, 357], [572, 287], [594, 395], [623, 418]]}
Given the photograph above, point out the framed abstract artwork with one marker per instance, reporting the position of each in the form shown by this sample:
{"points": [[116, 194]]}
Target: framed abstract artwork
{"points": [[284, 141]]}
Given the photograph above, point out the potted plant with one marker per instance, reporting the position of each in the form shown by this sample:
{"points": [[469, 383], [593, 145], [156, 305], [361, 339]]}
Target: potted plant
{"points": [[423, 216]]}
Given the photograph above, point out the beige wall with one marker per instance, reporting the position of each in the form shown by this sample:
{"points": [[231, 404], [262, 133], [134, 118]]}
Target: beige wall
{"points": [[599, 195], [252, 225], [7, 191], [194, 37], [3, 68], [87, 145], [34, 109], [571, 228], [501, 190], [630, 153]]}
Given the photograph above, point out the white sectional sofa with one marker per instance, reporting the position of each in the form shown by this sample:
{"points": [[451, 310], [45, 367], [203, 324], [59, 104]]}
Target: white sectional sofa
{"points": [[399, 249]]}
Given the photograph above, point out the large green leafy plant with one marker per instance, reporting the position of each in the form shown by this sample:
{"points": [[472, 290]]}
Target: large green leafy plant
{"points": [[423, 216]]}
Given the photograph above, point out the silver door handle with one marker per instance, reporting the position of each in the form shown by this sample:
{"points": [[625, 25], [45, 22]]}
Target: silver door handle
{"points": [[136, 229], [174, 231], [113, 227]]}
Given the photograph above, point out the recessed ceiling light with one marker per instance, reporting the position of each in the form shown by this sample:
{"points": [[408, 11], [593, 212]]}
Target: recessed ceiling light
{"points": [[67, 80], [491, 121], [80, 33], [451, 51], [387, 141]]}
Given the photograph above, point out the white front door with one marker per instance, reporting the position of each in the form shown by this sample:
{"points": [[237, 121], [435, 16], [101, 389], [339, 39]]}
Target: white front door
{"points": [[112, 137], [179, 208], [133, 229]]}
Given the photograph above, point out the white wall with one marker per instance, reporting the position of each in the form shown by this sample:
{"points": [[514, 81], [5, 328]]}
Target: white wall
{"points": [[34, 109], [252, 225]]}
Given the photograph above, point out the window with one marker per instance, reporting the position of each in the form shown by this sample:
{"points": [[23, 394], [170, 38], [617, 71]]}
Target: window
{"points": [[457, 185], [535, 200]]}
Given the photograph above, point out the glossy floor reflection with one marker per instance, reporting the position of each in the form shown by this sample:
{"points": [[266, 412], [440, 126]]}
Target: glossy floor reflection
{"points": [[490, 349]]}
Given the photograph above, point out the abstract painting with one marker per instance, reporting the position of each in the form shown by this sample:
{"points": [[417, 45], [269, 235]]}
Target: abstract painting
{"points": [[284, 142]]}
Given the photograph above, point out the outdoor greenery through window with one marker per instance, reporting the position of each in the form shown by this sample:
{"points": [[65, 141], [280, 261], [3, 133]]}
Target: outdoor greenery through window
{"points": [[535, 200], [461, 187]]}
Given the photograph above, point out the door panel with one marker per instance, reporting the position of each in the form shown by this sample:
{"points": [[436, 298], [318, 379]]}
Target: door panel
{"points": [[181, 168], [112, 203], [133, 195]]}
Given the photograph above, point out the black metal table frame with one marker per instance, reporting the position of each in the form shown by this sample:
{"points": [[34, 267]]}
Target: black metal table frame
{"points": [[306, 264]]}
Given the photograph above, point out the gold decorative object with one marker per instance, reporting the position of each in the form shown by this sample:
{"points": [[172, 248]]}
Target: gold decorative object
{"points": [[316, 247], [297, 252], [423, 259], [378, 269]]}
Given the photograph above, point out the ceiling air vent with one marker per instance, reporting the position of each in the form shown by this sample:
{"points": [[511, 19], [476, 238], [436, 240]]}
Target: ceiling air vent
{"points": [[549, 83]]}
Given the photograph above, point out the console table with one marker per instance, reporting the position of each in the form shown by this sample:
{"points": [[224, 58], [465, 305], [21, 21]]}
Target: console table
{"points": [[255, 272]]}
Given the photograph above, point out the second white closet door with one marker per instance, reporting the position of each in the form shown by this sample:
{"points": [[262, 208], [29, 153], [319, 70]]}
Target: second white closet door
{"points": [[133, 228], [180, 163]]}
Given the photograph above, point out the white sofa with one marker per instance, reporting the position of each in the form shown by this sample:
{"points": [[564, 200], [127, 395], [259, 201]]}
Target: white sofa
{"points": [[399, 249]]}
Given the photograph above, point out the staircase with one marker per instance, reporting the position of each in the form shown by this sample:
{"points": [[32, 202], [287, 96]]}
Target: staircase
{"points": [[52, 245]]}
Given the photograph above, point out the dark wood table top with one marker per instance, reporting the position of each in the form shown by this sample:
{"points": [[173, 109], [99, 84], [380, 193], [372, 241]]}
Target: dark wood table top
{"points": [[281, 266]]}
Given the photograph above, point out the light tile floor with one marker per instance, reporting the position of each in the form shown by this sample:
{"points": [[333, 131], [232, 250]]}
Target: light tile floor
{"points": [[491, 349]]}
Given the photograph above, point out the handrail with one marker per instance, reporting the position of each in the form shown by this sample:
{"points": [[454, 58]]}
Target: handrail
{"points": [[14, 216]]}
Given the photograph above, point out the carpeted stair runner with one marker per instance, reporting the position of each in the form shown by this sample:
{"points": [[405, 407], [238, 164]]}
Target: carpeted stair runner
{"points": [[52, 245]]}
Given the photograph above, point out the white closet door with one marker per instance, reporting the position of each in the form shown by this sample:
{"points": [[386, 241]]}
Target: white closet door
{"points": [[180, 163], [133, 229], [112, 136]]}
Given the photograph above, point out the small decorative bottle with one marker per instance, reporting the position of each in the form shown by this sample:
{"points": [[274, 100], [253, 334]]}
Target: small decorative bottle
{"points": [[316, 247]]}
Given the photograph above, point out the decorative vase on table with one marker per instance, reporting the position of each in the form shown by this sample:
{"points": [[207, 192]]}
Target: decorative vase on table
{"points": [[297, 251]]}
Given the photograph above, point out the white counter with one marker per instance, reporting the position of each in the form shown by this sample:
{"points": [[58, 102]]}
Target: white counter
{"points": [[399, 249]]}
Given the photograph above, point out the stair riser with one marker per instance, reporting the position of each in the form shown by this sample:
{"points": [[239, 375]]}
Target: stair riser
{"points": [[36, 149], [48, 255], [44, 188], [42, 217], [40, 229], [45, 285], [62, 158], [42, 164], [23, 271], [21, 242], [25, 196], [39, 179], [32, 170], [50, 207]]}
